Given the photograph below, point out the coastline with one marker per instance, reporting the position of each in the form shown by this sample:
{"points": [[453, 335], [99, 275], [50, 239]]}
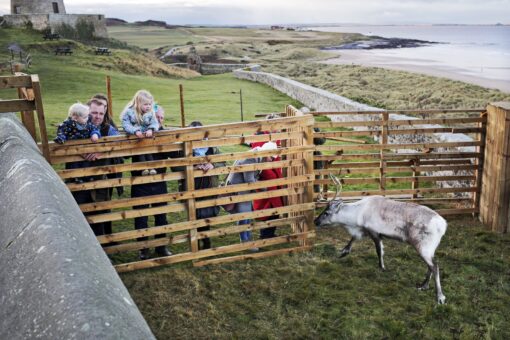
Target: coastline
{"points": [[374, 58]]}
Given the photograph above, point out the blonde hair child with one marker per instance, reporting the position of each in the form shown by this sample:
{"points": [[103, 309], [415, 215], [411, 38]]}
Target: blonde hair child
{"points": [[139, 119], [77, 125]]}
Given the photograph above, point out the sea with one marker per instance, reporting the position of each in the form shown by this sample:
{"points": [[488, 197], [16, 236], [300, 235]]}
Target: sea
{"points": [[474, 50]]}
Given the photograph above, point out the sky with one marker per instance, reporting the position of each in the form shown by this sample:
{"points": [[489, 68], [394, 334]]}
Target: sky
{"points": [[266, 12]]}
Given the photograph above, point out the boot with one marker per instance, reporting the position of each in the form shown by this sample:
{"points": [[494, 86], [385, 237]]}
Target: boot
{"points": [[163, 251], [245, 236], [144, 254]]}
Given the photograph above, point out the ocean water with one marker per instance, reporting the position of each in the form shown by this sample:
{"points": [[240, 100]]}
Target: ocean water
{"points": [[473, 50]]}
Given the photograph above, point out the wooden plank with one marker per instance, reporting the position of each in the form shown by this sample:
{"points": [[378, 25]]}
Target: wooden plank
{"points": [[346, 171], [410, 179], [402, 191], [121, 203], [8, 82], [16, 105], [383, 141], [251, 256], [397, 122], [445, 212], [397, 146], [419, 200], [330, 134], [40, 117], [410, 162], [186, 225], [397, 156], [209, 252], [480, 161], [401, 112], [125, 181], [122, 215], [190, 203]]}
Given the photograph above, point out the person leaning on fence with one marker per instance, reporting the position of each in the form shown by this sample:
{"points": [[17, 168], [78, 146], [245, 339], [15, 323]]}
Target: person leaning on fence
{"points": [[271, 202], [318, 165], [77, 125], [97, 111], [246, 177], [139, 119], [205, 182], [150, 189]]}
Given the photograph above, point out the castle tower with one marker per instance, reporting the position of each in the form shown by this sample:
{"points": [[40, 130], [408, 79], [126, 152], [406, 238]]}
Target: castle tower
{"points": [[38, 7]]}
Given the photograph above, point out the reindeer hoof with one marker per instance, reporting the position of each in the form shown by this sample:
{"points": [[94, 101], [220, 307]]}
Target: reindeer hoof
{"points": [[343, 253], [441, 300], [419, 286]]}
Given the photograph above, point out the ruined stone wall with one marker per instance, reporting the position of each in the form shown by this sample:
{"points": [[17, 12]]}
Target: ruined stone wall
{"points": [[44, 21], [36, 7]]}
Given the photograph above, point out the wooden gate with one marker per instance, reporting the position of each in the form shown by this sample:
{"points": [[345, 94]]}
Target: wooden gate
{"points": [[366, 151]]}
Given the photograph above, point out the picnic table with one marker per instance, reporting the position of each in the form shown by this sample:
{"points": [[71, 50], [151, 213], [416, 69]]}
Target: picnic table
{"points": [[103, 51], [51, 36], [63, 50]]}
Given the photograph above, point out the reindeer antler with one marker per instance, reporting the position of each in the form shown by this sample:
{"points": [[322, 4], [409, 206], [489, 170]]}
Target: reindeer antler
{"points": [[338, 185]]}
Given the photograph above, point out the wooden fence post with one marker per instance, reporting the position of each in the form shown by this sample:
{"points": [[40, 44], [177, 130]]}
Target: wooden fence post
{"points": [[384, 140], [109, 95], [190, 186], [495, 195], [181, 96]]}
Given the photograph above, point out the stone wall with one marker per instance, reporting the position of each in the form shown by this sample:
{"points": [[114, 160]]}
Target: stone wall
{"points": [[36, 7], [44, 21], [55, 280], [215, 68]]}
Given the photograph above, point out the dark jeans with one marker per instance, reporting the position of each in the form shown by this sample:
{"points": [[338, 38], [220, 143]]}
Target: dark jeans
{"points": [[269, 232], [149, 189]]}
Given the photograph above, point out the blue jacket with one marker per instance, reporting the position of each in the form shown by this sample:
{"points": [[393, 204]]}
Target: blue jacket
{"points": [[131, 125], [70, 130]]}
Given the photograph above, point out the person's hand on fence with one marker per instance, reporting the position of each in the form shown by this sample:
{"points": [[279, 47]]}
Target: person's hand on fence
{"points": [[91, 156], [148, 133], [94, 138], [207, 166], [139, 134]]}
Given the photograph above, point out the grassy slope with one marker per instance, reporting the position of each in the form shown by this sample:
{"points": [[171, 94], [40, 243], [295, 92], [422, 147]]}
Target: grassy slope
{"points": [[318, 295], [152, 37]]}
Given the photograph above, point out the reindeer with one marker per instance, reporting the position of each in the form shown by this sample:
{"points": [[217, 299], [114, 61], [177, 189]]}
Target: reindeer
{"points": [[379, 217]]}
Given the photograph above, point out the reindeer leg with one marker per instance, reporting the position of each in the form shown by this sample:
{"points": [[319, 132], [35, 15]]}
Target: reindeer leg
{"points": [[433, 268], [379, 248], [425, 284], [347, 249]]}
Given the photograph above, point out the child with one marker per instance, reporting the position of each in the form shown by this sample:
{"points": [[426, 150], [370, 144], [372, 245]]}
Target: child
{"points": [[77, 125], [139, 119]]}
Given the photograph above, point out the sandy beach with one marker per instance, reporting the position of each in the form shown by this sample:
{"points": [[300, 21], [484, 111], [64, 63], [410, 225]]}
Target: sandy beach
{"points": [[496, 78]]}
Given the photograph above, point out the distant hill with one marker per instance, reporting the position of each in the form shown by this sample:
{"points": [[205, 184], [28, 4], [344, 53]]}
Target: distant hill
{"points": [[115, 22], [155, 23]]}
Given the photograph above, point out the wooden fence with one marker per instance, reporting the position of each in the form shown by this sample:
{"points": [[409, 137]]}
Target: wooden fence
{"points": [[359, 152], [294, 222], [28, 91]]}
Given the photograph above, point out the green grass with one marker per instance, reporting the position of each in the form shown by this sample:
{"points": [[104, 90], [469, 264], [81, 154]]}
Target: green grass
{"points": [[152, 37], [318, 295]]}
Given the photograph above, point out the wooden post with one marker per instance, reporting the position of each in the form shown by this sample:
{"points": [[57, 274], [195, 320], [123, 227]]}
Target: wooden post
{"points": [[482, 136], [183, 120], [40, 117], [415, 184], [384, 140], [109, 95], [495, 195], [190, 186]]}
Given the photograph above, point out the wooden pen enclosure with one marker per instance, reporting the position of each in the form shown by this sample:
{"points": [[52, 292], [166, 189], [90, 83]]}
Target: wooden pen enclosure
{"points": [[294, 222]]}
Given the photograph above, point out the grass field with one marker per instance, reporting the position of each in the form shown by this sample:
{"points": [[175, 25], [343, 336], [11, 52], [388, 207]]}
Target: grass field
{"points": [[152, 37], [318, 295]]}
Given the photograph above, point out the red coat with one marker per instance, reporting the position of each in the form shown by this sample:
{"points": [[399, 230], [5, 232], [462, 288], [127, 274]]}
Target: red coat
{"points": [[273, 202], [255, 144]]}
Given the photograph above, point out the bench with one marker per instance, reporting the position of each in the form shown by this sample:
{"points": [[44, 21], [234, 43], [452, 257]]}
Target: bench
{"points": [[103, 51], [63, 51], [51, 36]]}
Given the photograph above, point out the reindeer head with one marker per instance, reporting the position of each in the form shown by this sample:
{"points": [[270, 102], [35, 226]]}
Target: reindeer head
{"points": [[334, 206]]}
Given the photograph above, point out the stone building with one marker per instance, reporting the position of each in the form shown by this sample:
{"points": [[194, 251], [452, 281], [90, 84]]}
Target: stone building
{"points": [[44, 14]]}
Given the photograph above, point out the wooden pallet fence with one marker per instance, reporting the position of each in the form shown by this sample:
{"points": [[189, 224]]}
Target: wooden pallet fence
{"points": [[294, 221], [29, 101], [410, 171]]}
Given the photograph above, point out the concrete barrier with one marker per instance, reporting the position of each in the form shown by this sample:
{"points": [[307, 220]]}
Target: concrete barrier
{"points": [[55, 280]]}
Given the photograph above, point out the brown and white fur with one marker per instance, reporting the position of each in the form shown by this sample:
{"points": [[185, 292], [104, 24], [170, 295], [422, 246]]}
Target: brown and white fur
{"points": [[379, 217]]}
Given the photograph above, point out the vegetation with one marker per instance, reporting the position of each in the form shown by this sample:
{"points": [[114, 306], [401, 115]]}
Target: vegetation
{"points": [[318, 295]]}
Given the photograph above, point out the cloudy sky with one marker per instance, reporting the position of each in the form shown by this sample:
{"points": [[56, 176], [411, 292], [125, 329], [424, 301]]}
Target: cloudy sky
{"points": [[296, 11]]}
